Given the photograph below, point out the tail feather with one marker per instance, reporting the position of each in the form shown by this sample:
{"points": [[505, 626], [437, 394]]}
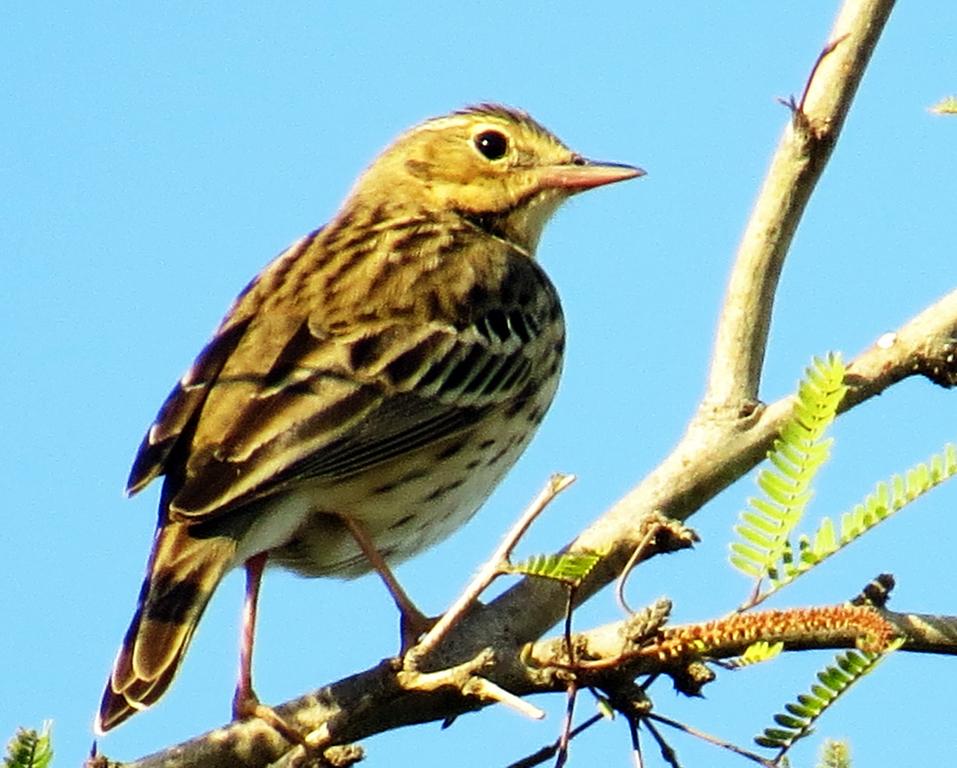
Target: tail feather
{"points": [[183, 572]]}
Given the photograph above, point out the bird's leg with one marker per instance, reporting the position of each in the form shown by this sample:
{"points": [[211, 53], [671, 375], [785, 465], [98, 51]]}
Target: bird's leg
{"points": [[413, 623], [245, 702], [244, 683]]}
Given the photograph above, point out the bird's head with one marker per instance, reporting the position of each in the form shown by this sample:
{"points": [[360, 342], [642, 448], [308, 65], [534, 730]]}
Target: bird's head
{"points": [[491, 164]]}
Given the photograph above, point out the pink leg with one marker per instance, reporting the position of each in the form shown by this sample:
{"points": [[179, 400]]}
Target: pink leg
{"points": [[244, 684], [412, 622], [245, 701]]}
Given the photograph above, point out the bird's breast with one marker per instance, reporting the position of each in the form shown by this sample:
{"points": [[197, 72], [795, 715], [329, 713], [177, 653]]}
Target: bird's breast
{"points": [[413, 501]]}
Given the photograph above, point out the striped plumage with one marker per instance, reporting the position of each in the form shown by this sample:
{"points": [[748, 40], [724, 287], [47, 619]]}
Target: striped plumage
{"points": [[388, 368]]}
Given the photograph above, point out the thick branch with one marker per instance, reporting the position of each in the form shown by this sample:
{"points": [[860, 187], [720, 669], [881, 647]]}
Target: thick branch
{"points": [[797, 165], [616, 643], [374, 701]]}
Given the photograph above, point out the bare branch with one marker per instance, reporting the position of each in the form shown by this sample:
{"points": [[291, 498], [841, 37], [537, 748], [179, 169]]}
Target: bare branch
{"points": [[798, 163]]}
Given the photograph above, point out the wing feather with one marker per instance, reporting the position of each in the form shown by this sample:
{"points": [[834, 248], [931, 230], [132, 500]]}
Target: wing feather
{"points": [[279, 398], [259, 436]]}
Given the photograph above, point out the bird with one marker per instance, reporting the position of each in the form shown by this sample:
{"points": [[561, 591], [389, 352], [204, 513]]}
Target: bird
{"points": [[365, 393]]}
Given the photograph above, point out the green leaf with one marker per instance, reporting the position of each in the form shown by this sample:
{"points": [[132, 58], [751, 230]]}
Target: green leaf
{"points": [[755, 536], [797, 721], [887, 498], [569, 568], [29, 749], [787, 721], [796, 456], [799, 710]]}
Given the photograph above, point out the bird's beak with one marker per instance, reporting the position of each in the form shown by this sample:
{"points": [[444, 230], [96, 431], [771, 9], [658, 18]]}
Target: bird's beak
{"points": [[581, 174]]}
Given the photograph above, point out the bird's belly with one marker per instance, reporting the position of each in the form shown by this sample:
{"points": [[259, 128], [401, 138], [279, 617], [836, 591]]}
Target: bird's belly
{"points": [[405, 505]]}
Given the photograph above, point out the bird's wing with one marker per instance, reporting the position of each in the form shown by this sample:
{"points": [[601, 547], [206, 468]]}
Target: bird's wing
{"points": [[275, 399]]}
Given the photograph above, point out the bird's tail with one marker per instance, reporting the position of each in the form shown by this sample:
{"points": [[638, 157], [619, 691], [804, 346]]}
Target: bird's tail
{"points": [[182, 574]]}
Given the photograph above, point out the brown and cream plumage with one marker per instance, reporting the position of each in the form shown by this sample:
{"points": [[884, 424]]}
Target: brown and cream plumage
{"points": [[385, 370]]}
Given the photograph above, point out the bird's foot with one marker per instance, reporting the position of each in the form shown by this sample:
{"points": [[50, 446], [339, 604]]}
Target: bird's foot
{"points": [[246, 704], [413, 624]]}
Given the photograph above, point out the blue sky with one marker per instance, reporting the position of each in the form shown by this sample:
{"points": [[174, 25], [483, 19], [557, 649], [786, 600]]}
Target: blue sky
{"points": [[155, 158]]}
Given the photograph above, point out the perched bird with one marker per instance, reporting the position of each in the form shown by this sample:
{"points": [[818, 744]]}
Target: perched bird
{"points": [[366, 392]]}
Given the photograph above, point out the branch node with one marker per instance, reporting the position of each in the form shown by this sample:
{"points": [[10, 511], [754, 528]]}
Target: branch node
{"points": [[941, 367]]}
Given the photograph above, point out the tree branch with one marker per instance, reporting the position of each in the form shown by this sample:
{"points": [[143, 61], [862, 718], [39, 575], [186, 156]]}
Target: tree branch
{"points": [[375, 700], [798, 163]]}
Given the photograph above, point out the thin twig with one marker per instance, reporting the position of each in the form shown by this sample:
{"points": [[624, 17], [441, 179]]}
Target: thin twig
{"points": [[571, 695], [817, 64], [635, 741], [468, 680], [635, 558], [668, 753], [712, 739], [492, 567], [546, 752], [489, 691]]}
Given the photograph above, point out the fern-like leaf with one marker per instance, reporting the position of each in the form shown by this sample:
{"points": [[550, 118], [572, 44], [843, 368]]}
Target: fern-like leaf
{"points": [[567, 568], [797, 454], [887, 498], [29, 749], [800, 716]]}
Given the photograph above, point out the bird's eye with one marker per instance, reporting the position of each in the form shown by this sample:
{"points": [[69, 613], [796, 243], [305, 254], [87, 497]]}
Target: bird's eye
{"points": [[492, 144]]}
